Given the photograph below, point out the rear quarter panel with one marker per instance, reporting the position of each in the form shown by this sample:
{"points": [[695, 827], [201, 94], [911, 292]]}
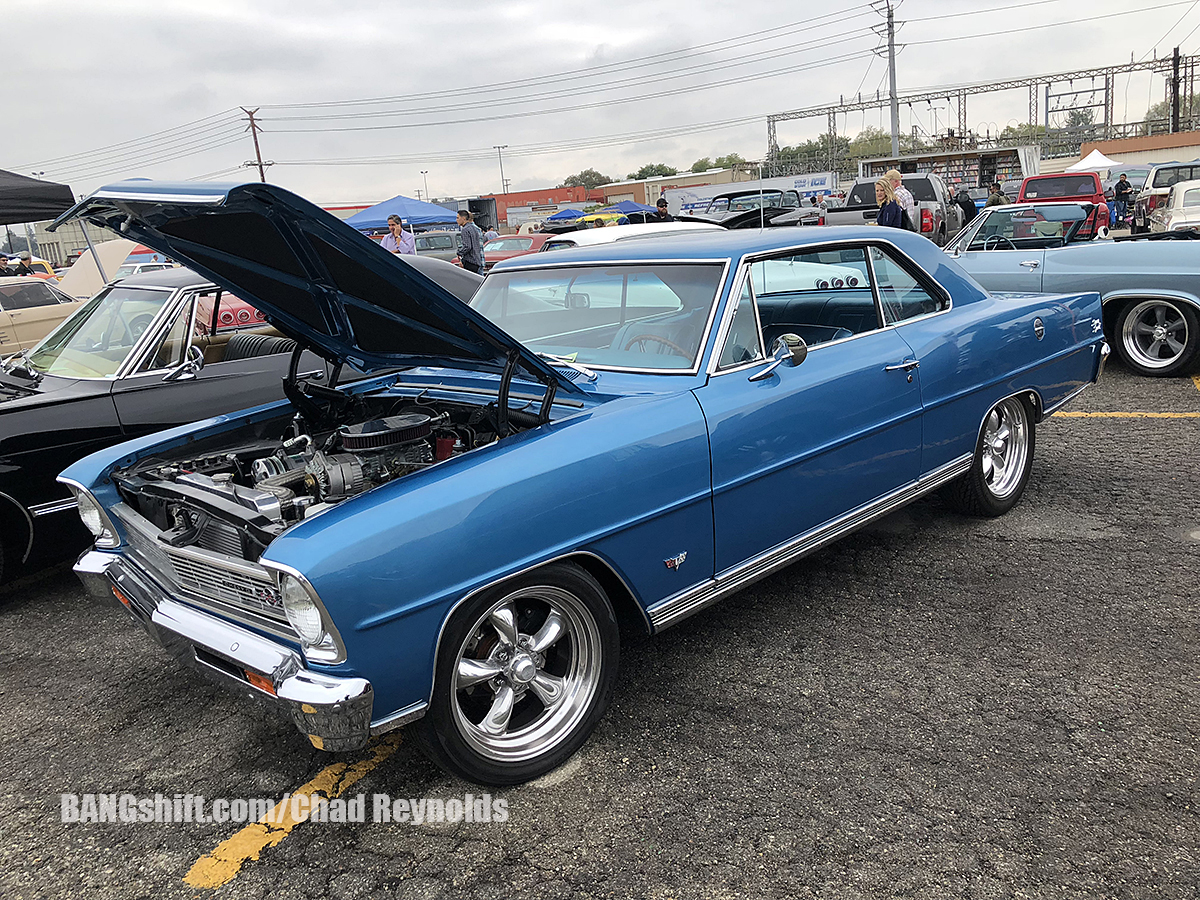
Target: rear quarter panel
{"points": [[1125, 269], [981, 352]]}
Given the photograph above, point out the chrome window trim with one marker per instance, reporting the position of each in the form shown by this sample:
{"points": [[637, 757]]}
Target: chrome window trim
{"points": [[922, 278], [741, 280], [680, 606], [160, 327], [751, 258], [695, 368]]}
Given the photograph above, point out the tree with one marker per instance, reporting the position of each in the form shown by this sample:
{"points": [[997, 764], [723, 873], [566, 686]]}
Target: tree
{"points": [[1189, 105], [1022, 134], [651, 170], [703, 164], [588, 178], [728, 162]]}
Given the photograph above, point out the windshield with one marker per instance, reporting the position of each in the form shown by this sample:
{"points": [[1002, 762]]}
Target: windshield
{"points": [[1026, 227], [95, 341], [122, 271], [646, 316]]}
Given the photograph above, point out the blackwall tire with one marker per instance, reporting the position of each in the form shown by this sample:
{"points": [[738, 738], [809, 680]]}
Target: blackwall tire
{"points": [[1002, 464], [1157, 337], [524, 673]]}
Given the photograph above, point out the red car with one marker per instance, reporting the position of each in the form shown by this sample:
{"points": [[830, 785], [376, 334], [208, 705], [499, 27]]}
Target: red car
{"points": [[511, 245], [1083, 186]]}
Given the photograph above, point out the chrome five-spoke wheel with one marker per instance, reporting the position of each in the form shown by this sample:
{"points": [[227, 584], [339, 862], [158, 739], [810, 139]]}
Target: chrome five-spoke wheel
{"points": [[1157, 337], [1002, 463], [525, 673]]}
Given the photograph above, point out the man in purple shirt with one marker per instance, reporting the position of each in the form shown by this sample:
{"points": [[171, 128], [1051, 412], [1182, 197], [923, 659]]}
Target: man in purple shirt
{"points": [[399, 241]]}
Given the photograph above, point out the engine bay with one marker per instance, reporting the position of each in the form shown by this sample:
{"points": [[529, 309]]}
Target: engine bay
{"points": [[238, 497]]}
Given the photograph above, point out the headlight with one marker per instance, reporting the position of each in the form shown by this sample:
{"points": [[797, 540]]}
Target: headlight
{"points": [[94, 518], [319, 637], [302, 611]]}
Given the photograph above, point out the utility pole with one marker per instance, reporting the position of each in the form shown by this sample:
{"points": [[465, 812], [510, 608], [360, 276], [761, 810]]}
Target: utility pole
{"points": [[500, 156], [1175, 92], [254, 129], [424, 177], [891, 35]]}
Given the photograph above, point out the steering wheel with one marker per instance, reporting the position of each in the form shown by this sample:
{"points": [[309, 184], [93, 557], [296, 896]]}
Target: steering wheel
{"points": [[642, 338], [997, 238]]}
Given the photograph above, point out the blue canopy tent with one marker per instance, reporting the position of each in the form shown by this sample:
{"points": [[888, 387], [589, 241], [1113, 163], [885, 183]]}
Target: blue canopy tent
{"points": [[410, 211], [564, 215], [627, 207]]}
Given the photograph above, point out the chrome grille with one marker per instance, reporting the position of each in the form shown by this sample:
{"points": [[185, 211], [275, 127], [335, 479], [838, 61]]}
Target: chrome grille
{"points": [[202, 575]]}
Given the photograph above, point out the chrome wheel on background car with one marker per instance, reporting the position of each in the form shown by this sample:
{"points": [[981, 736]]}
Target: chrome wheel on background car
{"points": [[523, 676], [1003, 461], [1157, 337]]}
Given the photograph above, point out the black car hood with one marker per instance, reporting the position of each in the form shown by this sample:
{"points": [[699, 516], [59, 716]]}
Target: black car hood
{"points": [[319, 279]]}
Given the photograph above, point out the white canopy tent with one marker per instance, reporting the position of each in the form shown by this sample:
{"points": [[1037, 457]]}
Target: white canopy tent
{"points": [[1094, 162]]}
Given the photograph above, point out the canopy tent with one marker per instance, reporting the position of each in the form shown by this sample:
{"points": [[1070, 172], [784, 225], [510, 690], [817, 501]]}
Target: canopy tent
{"points": [[1094, 162], [24, 199], [565, 215], [410, 211], [628, 206]]}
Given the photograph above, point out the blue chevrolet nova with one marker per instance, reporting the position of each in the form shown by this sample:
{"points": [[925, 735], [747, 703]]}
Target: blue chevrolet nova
{"points": [[623, 433]]}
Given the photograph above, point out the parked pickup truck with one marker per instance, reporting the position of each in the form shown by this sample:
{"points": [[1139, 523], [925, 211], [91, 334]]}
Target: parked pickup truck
{"points": [[936, 216], [1154, 193], [1083, 187]]}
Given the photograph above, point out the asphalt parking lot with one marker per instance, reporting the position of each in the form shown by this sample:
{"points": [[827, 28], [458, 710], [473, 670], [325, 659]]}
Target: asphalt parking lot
{"points": [[938, 707]]}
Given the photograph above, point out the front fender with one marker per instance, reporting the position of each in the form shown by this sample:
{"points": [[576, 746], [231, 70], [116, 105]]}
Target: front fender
{"points": [[628, 481]]}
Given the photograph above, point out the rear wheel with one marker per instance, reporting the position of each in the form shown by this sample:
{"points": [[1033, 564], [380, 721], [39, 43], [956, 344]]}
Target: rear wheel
{"points": [[1158, 337], [523, 675], [1003, 461]]}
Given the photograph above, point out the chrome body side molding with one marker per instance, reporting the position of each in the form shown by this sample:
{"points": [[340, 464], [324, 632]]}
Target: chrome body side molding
{"points": [[677, 608]]}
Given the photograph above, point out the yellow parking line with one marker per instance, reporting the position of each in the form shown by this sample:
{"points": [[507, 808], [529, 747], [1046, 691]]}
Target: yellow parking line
{"points": [[1196, 381], [1127, 415], [222, 864]]}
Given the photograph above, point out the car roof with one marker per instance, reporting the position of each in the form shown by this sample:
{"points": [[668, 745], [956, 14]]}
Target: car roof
{"points": [[607, 235], [24, 279], [174, 277], [720, 243]]}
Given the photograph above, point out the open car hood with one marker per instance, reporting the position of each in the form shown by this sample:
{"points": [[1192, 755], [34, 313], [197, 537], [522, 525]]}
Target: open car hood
{"points": [[321, 281]]}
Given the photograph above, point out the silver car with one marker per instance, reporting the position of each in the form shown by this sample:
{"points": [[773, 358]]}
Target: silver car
{"points": [[1149, 287], [1181, 211]]}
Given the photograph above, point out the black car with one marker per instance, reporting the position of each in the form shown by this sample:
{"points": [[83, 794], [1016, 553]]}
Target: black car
{"points": [[153, 351]]}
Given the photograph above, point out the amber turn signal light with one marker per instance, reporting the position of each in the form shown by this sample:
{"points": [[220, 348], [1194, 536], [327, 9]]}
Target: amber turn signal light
{"points": [[262, 682]]}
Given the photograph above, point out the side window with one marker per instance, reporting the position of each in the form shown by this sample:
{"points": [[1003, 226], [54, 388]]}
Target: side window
{"points": [[819, 295], [170, 351], [903, 297], [742, 344], [26, 296]]}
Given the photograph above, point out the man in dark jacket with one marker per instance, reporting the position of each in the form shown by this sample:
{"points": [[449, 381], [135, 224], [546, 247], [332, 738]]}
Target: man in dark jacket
{"points": [[22, 267], [966, 204], [996, 198], [1122, 191], [663, 214], [470, 243]]}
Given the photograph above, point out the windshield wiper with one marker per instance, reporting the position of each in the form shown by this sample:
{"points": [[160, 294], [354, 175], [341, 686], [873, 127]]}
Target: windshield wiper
{"points": [[26, 367], [563, 361]]}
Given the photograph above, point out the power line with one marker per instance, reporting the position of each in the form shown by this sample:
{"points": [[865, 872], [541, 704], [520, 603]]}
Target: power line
{"points": [[1169, 30], [596, 105], [624, 65]]}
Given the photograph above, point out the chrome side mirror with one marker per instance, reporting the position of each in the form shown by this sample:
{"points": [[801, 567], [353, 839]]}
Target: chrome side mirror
{"points": [[189, 367], [788, 348]]}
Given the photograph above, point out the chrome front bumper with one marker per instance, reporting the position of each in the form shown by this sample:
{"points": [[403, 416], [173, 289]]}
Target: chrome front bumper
{"points": [[333, 712]]}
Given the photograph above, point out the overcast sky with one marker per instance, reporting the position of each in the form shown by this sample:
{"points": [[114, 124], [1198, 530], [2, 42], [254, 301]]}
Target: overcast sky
{"points": [[121, 89]]}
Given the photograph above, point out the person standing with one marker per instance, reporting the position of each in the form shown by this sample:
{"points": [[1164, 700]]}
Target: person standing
{"points": [[904, 197], [398, 240], [470, 243], [1121, 193], [966, 204], [22, 267], [996, 198], [891, 215], [661, 213], [491, 234]]}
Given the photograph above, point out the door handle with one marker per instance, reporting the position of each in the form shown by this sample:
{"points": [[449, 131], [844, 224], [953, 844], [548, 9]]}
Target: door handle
{"points": [[906, 366], [1032, 263]]}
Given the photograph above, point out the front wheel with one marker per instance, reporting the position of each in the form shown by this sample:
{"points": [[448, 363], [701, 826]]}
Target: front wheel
{"points": [[1003, 461], [524, 673], [1158, 337]]}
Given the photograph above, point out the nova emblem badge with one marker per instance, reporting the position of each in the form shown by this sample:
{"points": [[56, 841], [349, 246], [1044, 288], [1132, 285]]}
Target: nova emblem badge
{"points": [[1039, 328], [1096, 325], [676, 561]]}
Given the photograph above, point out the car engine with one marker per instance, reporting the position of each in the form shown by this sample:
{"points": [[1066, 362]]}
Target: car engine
{"points": [[237, 499]]}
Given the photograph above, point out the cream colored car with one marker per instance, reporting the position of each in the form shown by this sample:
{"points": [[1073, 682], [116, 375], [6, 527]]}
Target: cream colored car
{"points": [[30, 308], [1181, 211]]}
